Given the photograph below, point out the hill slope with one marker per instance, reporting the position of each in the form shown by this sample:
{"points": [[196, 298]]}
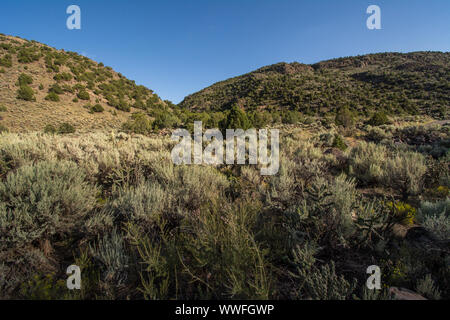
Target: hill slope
{"points": [[64, 88], [416, 82]]}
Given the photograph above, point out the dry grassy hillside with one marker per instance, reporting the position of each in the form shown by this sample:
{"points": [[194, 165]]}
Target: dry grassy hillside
{"points": [[72, 73]]}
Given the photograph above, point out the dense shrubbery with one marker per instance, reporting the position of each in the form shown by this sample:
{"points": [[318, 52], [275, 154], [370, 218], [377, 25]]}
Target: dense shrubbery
{"points": [[165, 120], [139, 123], [394, 83], [212, 232], [141, 227], [236, 118], [41, 201], [402, 171], [27, 55]]}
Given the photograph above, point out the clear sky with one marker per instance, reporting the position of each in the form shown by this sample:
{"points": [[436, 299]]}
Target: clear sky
{"points": [[177, 47]]}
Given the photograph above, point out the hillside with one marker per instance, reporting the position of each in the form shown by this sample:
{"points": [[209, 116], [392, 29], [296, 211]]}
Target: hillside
{"points": [[412, 83], [347, 194], [56, 86]]}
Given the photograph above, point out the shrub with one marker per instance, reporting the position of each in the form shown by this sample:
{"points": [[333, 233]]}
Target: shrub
{"points": [[404, 212], [6, 61], [52, 97], [378, 119], [50, 129], [3, 109], [27, 55], [55, 88], [259, 119], [63, 77], [139, 123], [343, 195], [139, 104], [290, 117], [327, 210], [122, 105], [283, 185], [65, 128], [378, 135], [83, 95], [2, 70], [324, 284], [200, 186], [140, 205], [110, 251], [24, 79], [405, 172], [41, 200], [97, 108], [26, 93], [435, 217], [43, 288], [78, 87], [345, 118], [236, 119], [367, 161], [219, 239], [339, 143], [165, 120], [427, 288], [67, 88]]}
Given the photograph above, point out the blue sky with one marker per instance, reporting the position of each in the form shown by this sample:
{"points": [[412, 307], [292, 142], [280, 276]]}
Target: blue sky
{"points": [[177, 47]]}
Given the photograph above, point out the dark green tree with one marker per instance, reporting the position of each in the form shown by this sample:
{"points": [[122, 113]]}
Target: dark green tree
{"points": [[236, 119]]}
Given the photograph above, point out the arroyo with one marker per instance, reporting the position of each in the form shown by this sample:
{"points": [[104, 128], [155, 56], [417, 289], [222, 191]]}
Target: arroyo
{"points": [[214, 152]]}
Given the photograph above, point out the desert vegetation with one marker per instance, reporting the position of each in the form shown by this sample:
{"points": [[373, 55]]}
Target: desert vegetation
{"points": [[395, 83], [86, 178], [142, 228]]}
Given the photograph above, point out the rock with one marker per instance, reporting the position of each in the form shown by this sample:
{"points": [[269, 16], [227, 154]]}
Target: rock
{"points": [[405, 294]]}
